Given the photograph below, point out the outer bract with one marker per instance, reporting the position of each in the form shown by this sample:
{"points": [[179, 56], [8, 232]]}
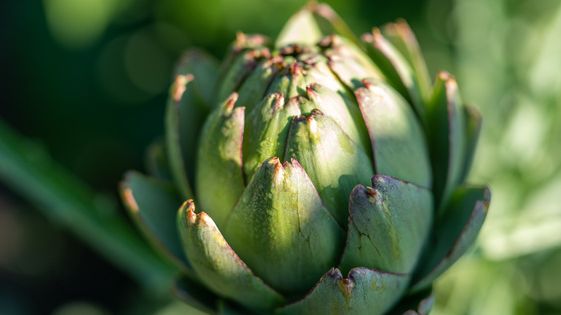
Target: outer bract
{"points": [[329, 173]]}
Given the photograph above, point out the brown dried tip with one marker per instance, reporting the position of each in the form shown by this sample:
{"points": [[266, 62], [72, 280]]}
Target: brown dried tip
{"points": [[367, 38], [314, 113], [402, 28], [273, 161], [128, 197], [311, 90], [449, 82], [373, 37], [180, 85], [312, 4], [346, 286], [310, 60], [367, 83], [259, 53], [294, 162], [326, 42], [323, 10], [445, 76], [248, 41], [371, 192], [330, 41], [296, 68], [292, 50], [231, 101], [189, 207], [308, 118], [278, 102], [275, 61], [276, 164]]}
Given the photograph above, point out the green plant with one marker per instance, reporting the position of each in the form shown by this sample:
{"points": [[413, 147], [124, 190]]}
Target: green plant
{"points": [[278, 147]]}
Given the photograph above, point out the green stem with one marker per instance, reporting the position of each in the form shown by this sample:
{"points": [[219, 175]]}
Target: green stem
{"points": [[29, 171]]}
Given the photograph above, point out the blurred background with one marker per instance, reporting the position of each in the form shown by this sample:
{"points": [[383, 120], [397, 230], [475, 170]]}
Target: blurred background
{"points": [[82, 94]]}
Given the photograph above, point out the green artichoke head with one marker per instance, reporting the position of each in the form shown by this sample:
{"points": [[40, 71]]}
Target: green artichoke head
{"points": [[327, 171]]}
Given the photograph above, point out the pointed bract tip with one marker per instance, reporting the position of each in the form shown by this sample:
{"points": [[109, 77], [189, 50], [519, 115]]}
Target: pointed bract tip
{"points": [[445, 76], [308, 118], [128, 198], [311, 5], [375, 38], [292, 50], [188, 211], [372, 193], [275, 61], [241, 37], [334, 273], [189, 205], [329, 41], [180, 85], [276, 168], [296, 69], [205, 220], [324, 10], [278, 101], [367, 38], [315, 112], [361, 93], [243, 41], [311, 90], [376, 33], [231, 101], [295, 164], [379, 180], [273, 161], [367, 83], [403, 28], [449, 82], [401, 22], [253, 55], [346, 286]]}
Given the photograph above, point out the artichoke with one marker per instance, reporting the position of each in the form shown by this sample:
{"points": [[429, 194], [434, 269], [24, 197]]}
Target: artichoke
{"points": [[330, 170]]}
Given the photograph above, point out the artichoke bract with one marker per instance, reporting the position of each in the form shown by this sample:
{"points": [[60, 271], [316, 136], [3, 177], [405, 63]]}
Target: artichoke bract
{"points": [[321, 174]]}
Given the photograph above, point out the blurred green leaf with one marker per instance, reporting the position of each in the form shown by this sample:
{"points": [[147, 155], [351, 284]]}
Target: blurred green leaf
{"points": [[28, 170]]}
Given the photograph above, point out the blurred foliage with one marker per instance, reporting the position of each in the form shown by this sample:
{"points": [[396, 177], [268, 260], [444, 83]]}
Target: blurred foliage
{"points": [[87, 78], [507, 61]]}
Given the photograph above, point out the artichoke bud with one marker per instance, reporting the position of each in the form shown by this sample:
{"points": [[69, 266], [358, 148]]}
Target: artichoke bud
{"points": [[330, 172]]}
